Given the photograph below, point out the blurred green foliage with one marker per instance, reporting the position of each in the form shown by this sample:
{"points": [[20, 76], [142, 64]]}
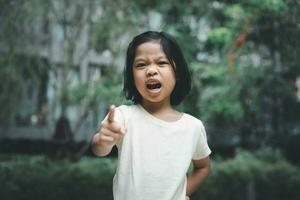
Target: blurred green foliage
{"points": [[265, 174], [106, 90], [37, 177], [218, 37]]}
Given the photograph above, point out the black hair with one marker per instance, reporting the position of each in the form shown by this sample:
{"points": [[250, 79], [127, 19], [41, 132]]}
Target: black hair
{"points": [[173, 54]]}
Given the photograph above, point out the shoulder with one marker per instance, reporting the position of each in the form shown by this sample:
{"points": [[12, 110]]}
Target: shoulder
{"points": [[199, 132], [194, 121], [196, 126], [127, 110]]}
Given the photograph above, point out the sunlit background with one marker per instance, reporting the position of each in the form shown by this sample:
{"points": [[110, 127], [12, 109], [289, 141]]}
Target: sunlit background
{"points": [[61, 65]]}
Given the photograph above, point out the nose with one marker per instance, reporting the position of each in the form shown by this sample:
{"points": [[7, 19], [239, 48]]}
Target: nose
{"points": [[151, 70]]}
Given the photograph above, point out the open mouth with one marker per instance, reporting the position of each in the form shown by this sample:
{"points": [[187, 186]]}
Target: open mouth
{"points": [[153, 86]]}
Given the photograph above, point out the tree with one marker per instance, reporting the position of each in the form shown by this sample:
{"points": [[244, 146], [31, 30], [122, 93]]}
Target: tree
{"points": [[243, 56]]}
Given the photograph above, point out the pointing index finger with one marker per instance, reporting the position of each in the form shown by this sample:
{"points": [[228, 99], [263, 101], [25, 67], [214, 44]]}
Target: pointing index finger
{"points": [[111, 114]]}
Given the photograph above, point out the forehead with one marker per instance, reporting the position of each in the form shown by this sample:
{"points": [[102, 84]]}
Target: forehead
{"points": [[149, 49]]}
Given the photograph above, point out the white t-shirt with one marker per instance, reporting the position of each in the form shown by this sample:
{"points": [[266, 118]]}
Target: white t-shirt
{"points": [[154, 155]]}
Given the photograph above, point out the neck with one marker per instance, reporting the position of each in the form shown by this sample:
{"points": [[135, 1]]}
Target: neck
{"points": [[157, 106], [162, 110]]}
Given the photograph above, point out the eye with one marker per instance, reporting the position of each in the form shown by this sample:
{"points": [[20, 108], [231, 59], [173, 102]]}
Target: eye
{"points": [[138, 65], [163, 62]]}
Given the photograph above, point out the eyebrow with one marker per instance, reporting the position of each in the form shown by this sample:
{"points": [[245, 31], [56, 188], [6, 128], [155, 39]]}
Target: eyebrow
{"points": [[162, 57], [141, 59]]}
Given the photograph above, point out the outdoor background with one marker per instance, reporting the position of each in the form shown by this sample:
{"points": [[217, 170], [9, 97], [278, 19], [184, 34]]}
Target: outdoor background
{"points": [[61, 65]]}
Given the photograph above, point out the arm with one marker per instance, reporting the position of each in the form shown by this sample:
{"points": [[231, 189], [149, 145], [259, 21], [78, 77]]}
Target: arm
{"points": [[200, 172]]}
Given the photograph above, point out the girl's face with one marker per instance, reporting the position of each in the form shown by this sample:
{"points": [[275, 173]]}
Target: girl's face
{"points": [[153, 74]]}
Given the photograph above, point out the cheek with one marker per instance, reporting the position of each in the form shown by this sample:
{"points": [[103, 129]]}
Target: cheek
{"points": [[173, 78], [138, 81], [173, 85]]}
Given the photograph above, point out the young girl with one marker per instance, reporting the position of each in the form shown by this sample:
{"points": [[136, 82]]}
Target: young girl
{"points": [[156, 143]]}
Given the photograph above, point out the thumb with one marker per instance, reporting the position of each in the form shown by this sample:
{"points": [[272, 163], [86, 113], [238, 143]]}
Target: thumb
{"points": [[123, 129], [111, 114]]}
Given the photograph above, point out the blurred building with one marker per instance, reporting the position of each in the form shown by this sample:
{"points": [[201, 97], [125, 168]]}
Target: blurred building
{"points": [[48, 50]]}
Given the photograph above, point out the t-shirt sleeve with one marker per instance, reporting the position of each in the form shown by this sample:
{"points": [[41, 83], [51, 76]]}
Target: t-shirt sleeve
{"points": [[202, 149]]}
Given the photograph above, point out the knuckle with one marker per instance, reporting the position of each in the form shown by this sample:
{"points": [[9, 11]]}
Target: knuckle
{"points": [[102, 129], [105, 131], [116, 126], [101, 138], [106, 139], [117, 136], [112, 128], [104, 123]]}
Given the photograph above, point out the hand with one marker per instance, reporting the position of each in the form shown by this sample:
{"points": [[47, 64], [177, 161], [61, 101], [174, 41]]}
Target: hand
{"points": [[187, 198], [110, 131]]}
